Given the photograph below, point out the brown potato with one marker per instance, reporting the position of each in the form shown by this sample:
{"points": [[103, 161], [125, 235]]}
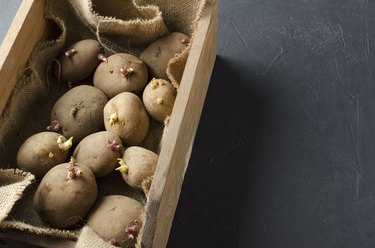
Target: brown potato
{"points": [[126, 116], [79, 112], [158, 54], [79, 61], [40, 152], [137, 167], [63, 199], [122, 73], [99, 152], [158, 98], [117, 219]]}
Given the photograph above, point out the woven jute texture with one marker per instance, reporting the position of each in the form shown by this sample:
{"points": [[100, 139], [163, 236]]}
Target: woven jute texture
{"points": [[89, 239], [12, 185], [120, 26]]}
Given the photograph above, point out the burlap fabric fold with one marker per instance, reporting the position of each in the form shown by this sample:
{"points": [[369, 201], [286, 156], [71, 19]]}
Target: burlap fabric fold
{"points": [[89, 239], [121, 26], [12, 184]]}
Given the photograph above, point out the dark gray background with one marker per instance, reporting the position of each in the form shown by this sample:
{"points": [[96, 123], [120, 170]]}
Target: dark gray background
{"points": [[284, 155], [285, 152]]}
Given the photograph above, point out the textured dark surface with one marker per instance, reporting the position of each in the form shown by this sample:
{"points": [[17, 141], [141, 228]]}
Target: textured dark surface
{"points": [[284, 155], [285, 152]]}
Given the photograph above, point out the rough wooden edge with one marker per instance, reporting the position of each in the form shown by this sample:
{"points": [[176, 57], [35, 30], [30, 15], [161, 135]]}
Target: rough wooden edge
{"points": [[180, 132], [27, 28]]}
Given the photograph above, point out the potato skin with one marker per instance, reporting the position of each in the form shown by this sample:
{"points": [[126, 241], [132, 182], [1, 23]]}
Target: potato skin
{"points": [[159, 97], [132, 120], [88, 117], [80, 65], [141, 167], [109, 78], [158, 54], [112, 215], [94, 153], [34, 153], [63, 203]]}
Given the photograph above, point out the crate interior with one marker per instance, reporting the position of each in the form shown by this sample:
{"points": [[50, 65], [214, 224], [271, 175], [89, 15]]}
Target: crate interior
{"points": [[28, 110]]}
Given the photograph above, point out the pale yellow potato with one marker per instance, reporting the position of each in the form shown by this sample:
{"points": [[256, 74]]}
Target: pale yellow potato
{"points": [[159, 97], [40, 152], [121, 73], [126, 116], [158, 54], [63, 202], [117, 219], [99, 152], [138, 167], [78, 61], [79, 112]]}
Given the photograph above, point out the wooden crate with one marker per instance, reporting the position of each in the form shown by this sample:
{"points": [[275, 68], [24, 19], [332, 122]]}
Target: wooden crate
{"points": [[29, 27]]}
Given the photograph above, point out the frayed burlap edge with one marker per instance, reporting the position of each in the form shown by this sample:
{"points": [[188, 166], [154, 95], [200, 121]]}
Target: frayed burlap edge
{"points": [[176, 66], [13, 183], [137, 31], [50, 232], [88, 239]]}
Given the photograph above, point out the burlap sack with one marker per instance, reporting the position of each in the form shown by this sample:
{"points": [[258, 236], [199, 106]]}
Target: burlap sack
{"points": [[121, 26], [89, 239], [12, 184]]}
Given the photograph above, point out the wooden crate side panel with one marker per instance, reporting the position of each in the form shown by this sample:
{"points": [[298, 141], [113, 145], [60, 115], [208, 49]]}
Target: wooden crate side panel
{"points": [[27, 28], [179, 134]]}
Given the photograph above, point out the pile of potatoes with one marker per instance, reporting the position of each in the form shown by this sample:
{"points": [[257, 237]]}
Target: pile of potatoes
{"points": [[96, 129]]}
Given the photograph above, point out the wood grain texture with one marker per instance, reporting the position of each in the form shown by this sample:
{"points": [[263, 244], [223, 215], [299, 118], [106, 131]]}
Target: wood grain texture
{"points": [[180, 132], [27, 28]]}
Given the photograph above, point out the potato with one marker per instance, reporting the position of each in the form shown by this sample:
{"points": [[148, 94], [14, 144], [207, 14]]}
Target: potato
{"points": [[126, 116], [42, 151], [158, 54], [158, 98], [117, 219], [79, 112], [122, 73], [66, 194], [137, 167], [79, 61], [99, 152]]}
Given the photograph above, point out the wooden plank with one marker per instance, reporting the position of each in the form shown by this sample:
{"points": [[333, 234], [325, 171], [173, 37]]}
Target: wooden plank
{"points": [[32, 239], [180, 132], [27, 28]]}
